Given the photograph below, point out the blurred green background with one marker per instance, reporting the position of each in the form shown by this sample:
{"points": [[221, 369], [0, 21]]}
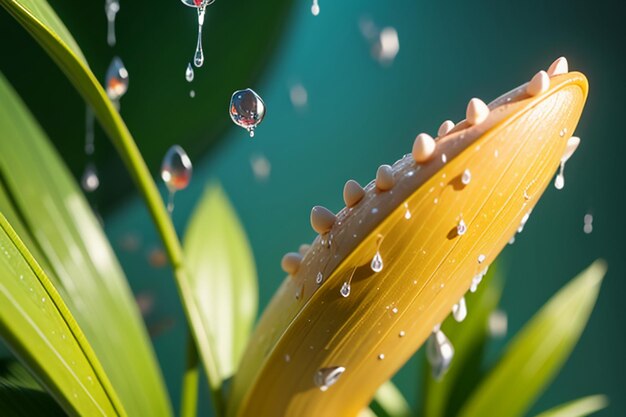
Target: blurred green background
{"points": [[358, 115]]}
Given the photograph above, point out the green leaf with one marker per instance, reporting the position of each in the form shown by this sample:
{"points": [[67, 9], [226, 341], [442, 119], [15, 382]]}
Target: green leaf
{"points": [[444, 397], [222, 277], [40, 330], [38, 195], [22, 396], [389, 402], [578, 408], [539, 350]]}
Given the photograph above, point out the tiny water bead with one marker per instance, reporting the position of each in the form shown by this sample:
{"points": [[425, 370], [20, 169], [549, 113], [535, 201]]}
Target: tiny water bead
{"points": [[90, 181], [377, 262], [247, 109], [461, 228], [588, 223], [189, 74], [327, 377], [439, 352], [459, 310], [319, 278], [466, 177], [116, 79], [111, 7], [345, 289], [176, 171], [315, 8]]}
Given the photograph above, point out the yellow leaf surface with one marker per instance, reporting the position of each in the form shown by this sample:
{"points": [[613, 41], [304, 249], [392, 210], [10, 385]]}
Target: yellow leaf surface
{"points": [[427, 266]]}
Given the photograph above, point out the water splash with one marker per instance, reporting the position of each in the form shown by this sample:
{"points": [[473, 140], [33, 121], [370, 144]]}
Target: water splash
{"points": [[459, 310], [189, 74], [247, 109], [116, 80], [439, 352], [111, 8], [176, 171], [325, 378]]}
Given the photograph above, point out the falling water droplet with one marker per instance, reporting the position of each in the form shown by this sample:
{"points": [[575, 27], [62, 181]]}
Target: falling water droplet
{"points": [[89, 135], [345, 289], [466, 177], [111, 7], [90, 181], [439, 352], [247, 109], [315, 8], [498, 323], [176, 171], [459, 310], [319, 278], [192, 93], [559, 181], [461, 228], [377, 262], [189, 74], [116, 80], [588, 220], [326, 377]]}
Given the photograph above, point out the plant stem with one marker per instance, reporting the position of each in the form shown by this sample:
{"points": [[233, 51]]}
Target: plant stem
{"points": [[189, 398]]}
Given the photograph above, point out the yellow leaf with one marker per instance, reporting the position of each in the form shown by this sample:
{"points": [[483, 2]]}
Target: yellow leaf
{"points": [[428, 261]]}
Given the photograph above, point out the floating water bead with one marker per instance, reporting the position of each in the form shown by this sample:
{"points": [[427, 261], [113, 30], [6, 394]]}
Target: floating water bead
{"points": [[111, 7], [189, 74], [116, 79], [315, 8], [90, 181], [176, 171], [247, 109]]}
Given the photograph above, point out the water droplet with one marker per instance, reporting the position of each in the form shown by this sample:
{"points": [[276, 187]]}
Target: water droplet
{"points": [[559, 181], [90, 181], [111, 7], [247, 109], [444, 158], [588, 226], [439, 352], [189, 73], [381, 356], [43, 299], [402, 333], [89, 135], [520, 228], [512, 240], [176, 170], [327, 377], [481, 258], [377, 262], [394, 310], [497, 323], [459, 310], [319, 278], [198, 56], [315, 8], [192, 93], [261, 167], [386, 46], [461, 228], [466, 177], [345, 289], [298, 95], [563, 132], [407, 213], [287, 358], [116, 79]]}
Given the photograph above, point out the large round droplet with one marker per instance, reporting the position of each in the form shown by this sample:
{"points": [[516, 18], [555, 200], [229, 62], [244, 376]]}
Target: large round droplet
{"points": [[327, 377], [247, 109], [176, 169], [116, 79]]}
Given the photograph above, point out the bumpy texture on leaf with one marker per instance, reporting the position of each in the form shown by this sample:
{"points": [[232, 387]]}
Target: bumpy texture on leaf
{"points": [[428, 266]]}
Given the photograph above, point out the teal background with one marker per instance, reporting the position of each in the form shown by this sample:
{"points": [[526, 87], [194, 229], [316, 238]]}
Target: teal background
{"points": [[359, 115]]}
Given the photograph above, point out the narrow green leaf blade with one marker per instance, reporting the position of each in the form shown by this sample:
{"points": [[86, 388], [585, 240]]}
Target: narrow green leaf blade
{"points": [[389, 402], [468, 338], [40, 197], [222, 277], [539, 350], [39, 329], [22, 396], [578, 408]]}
